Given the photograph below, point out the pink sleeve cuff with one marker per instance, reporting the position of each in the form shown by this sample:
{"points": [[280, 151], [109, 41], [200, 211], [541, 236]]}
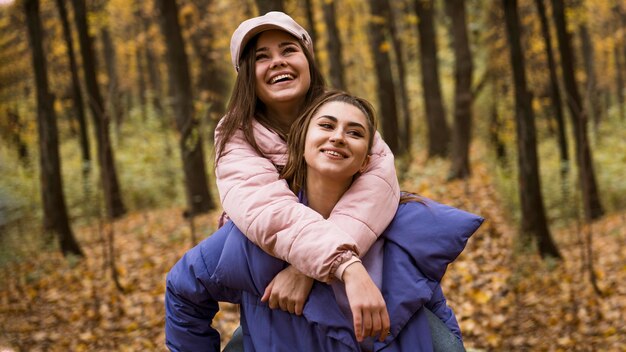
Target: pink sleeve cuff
{"points": [[342, 267]]}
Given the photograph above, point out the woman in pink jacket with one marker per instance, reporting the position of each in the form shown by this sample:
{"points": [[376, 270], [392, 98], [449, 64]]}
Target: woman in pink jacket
{"points": [[277, 79]]}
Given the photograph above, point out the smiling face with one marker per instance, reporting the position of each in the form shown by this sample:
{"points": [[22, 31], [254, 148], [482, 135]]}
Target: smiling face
{"points": [[281, 69], [337, 142]]}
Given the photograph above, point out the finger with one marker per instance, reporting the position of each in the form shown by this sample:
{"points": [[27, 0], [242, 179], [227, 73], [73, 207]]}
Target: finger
{"points": [[298, 308], [284, 305], [274, 301], [358, 325], [377, 324], [367, 324], [291, 307], [267, 292], [386, 324]]}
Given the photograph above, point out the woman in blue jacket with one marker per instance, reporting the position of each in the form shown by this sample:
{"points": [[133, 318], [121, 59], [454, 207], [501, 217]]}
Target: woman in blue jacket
{"points": [[328, 146]]}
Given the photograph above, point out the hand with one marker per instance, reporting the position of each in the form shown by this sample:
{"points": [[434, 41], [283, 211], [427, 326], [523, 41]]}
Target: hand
{"points": [[288, 291], [369, 311]]}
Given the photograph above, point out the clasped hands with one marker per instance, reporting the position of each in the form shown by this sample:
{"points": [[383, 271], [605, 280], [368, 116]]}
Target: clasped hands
{"points": [[290, 289]]}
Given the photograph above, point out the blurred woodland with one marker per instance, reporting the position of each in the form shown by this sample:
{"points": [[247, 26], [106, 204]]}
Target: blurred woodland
{"points": [[511, 109]]}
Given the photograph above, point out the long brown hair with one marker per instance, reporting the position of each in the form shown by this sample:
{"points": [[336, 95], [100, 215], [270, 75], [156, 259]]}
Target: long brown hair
{"points": [[295, 168], [244, 105]]}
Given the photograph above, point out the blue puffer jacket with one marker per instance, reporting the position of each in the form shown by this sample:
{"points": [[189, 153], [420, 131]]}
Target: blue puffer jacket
{"points": [[228, 267]]}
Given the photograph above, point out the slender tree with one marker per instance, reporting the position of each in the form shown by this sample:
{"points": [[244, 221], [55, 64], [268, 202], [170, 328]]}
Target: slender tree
{"points": [[310, 18], [337, 78], [463, 96], [620, 24], [211, 83], [77, 97], [534, 224], [15, 134], [385, 90], [140, 63], [393, 24], [54, 209], [555, 93], [592, 97], [619, 81], [438, 130], [152, 61], [114, 96], [198, 196], [591, 198], [108, 175]]}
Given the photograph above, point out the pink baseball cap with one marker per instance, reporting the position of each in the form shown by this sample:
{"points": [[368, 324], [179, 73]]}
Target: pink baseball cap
{"points": [[271, 20]]}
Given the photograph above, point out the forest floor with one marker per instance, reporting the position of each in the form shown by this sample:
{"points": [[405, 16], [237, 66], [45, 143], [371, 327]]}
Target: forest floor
{"points": [[505, 299]]}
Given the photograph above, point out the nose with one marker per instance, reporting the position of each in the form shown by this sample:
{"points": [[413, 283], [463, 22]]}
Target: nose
{"points": [[278, 61], [337, 137]]}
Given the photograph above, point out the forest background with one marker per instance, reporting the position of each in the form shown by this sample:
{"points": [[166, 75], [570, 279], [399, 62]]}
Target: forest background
{"points": [[513, 110]]}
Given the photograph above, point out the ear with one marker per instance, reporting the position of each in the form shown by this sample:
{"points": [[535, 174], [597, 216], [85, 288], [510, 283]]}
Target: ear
{"points": [[365, 163]]}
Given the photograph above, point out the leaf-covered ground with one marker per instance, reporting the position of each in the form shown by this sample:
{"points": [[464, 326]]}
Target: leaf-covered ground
{"points": [[504, 299]]}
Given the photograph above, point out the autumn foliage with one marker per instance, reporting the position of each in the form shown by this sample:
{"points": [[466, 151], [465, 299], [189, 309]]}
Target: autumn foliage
{"points": [[506, 297]]}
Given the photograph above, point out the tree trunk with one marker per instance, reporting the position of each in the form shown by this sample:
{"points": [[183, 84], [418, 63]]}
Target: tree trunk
{"points": [[310, 18], [198, 197], [114, 105], [533, 214], [141, 76], [555, 94], [54, 209], [619, 81], [266, 6], [154, 74], [591, 199], [398, 46], [79, 105], [438, 130], [385, 90], [592, 98], [461, 133], [111, 189], [15, 132], [337, 79], [211, 82], [620, 24]]}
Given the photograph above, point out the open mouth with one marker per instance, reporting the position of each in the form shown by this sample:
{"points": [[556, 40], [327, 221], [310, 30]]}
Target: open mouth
{"points": [[281, 78], [334, 153]]}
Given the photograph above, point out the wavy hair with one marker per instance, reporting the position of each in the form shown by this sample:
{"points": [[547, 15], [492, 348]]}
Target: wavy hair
{"points": [[244, 105], [294, 171]]}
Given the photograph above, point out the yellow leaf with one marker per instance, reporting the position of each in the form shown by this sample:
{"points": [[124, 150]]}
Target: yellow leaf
{"points": [[132, 327], [384, 47], [481, 297]]}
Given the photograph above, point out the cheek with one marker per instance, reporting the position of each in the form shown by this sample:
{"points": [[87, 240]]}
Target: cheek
{"points": [[258, 74]]}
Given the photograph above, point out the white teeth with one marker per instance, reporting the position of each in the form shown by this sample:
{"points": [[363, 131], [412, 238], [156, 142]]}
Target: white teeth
{"points": [[333, 153], [279, 77]]}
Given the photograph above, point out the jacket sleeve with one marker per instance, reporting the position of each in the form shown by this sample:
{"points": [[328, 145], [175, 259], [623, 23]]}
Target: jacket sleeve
{"points": [[191, 298], [270, 215], [438, 305]]}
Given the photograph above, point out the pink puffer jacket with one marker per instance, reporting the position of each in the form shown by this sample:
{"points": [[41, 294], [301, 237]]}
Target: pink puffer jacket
{"points": [[270, 215]]}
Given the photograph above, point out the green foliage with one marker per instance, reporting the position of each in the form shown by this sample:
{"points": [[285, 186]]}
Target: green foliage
{"points": [[561, 195], [147, 158]]}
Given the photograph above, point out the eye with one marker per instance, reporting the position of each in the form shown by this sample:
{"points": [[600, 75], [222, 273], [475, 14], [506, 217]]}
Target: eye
{"points": [[261, 56], [290, 49], [325, 125], [356, 133]]}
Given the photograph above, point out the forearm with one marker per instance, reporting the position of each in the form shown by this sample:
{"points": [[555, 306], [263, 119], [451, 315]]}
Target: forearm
{"points": [[189, 311]]}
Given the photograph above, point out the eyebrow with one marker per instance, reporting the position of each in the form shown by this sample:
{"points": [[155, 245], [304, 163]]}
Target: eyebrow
{"points": [[334, 119], [280, 45]]}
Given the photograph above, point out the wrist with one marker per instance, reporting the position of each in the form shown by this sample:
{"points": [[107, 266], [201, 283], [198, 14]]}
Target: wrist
{"points": [[343, 266], [353, 270]]}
